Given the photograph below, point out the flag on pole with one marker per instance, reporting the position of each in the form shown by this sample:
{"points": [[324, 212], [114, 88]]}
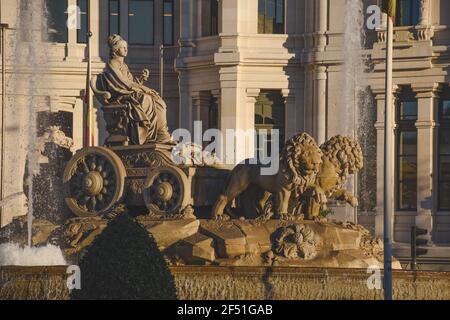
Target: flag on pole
{"points": [[389, 7]]}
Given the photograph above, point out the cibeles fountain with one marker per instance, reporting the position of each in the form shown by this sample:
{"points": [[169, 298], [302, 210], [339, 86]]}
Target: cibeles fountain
{"points": [[203, 216]]}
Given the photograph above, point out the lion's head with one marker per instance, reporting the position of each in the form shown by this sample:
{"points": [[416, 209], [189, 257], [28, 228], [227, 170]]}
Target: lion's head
{"points": [[345, 153], [302, 157]]}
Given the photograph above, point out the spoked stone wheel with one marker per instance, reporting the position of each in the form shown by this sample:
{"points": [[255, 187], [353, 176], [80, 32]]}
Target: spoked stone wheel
{"points": [[94, 180], [166, 191]]}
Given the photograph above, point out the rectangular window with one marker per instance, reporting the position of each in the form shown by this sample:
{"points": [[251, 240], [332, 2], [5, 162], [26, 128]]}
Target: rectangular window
{"points": [[444, 155], [168, 21], [271, 16], [114, 17], [407, 155], [141, 22], [214, 17], [83, 22], [57, 20], [270, 116], [407, 12]]}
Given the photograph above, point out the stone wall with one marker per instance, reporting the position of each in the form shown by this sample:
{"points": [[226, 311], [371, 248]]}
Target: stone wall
{"points": [[238, 283]]}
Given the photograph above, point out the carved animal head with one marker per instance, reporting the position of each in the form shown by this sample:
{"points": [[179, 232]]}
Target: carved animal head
{"points": [[302, 155], [345, 154]]}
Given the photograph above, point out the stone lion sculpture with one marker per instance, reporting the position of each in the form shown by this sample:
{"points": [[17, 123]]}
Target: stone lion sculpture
{"points": [[300, 161], [342, 156]]}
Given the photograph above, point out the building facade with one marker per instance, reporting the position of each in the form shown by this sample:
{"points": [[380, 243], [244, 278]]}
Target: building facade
{"points": [[278, 64]]}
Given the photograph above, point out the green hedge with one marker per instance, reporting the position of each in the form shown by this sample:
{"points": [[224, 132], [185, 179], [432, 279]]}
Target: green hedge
{"points": [[124, 262]]}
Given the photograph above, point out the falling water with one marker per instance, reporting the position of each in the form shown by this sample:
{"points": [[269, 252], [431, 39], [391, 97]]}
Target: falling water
{"points": [[29, 64], [357, 98], [354, 66], [29, 88]]}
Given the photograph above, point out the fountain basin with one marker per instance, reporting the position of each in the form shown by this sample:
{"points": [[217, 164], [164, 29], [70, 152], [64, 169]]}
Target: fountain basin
{"points": [[240, 283]]}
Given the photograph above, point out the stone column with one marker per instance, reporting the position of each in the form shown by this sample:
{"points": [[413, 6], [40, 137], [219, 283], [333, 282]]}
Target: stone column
{"points": [[321, 24], [290, 113], [309, 23], [71, 52], [380, 97], [252, 95], [424, 28], [216, 96], [185, 104], [200, 107], [424, 13], [320, 105], [94, 10], [308, 99], [426, 157]]}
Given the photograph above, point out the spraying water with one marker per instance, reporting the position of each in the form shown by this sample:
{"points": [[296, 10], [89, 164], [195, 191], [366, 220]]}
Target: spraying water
{"points": [[30, 63], [357, 100], [14, 255], [354, 67], [29, 88]]}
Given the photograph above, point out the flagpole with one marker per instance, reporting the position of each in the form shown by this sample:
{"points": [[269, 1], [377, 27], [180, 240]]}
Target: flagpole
{"points": [[388, 167], [90, 119]]}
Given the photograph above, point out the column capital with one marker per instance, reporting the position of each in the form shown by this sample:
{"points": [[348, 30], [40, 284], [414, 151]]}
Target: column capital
{"points": [[287, 93], [426, 90], [201, 95], [215, 93], [380, 92], [253, 92]]}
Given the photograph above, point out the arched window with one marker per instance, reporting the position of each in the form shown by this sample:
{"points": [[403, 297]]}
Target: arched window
{"points": [[407, 12], [406, 150]]}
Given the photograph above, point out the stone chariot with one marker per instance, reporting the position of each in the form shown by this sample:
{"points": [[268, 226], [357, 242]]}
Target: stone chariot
{"points": [[135, 166]]}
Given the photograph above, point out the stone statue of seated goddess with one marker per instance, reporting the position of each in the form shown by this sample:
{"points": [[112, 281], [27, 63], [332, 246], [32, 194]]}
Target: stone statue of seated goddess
{"points": [[134, 113]]}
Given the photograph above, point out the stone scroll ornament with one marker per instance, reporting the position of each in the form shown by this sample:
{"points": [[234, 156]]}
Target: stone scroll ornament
{"points": [[133, 112]]}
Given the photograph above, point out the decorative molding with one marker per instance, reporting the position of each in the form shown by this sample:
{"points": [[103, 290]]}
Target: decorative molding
{"points": [[146, 159], [426, 90], [252, 92]]}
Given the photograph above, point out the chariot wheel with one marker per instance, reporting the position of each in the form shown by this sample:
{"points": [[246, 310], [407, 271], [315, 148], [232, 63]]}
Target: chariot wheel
{"points": [[94, 181], [166, 191]]}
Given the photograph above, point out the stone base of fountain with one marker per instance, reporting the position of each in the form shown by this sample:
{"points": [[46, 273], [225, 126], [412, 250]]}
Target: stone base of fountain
{"points": [[244, 283], [192, 242]]}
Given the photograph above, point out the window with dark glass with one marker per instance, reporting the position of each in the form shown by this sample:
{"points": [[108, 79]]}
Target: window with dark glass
{"points": [[444, 154], [114, 17], [57, 16], [406, 151], [271, 16], [407, 12], [83, 22], [168, 22], [270, 116], [214, 17], [213, 114], [141, 21]]}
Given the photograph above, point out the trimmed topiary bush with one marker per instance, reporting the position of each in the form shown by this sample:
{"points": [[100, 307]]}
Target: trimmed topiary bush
{"points": [[124, 262]]}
